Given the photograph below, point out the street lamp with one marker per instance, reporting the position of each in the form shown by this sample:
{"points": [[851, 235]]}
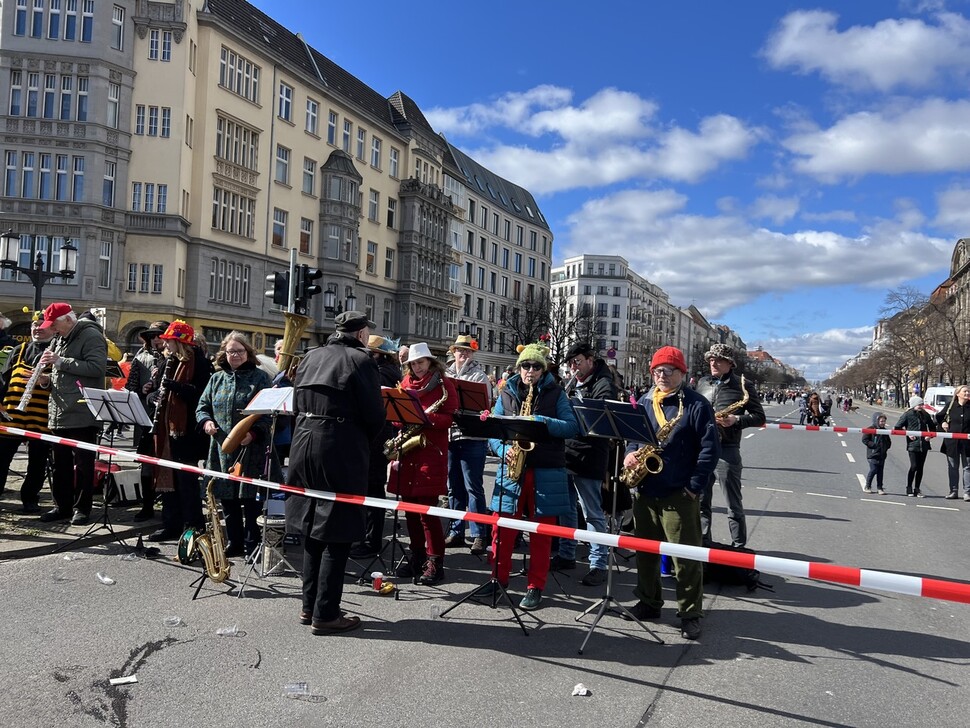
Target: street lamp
{"points": [[10, 249], [351, 300], [330, 299]]}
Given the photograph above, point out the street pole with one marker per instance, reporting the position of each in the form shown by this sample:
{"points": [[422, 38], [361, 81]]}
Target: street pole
{"points": [[38, 280]]}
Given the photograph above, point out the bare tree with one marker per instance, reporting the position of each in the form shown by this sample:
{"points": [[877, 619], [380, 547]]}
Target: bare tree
{"points": [[526, 323]]}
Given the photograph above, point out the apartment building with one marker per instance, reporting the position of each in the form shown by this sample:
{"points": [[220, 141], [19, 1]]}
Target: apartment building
{"points": [[186, 148]]}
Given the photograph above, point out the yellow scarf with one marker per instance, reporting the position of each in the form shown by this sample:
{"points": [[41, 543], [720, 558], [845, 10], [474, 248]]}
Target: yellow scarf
{"points": [[658, 410]]}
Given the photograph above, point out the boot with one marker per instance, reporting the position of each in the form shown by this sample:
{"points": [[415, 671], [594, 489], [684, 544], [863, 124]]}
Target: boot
{"points": [[413, 567], [434, 571]]}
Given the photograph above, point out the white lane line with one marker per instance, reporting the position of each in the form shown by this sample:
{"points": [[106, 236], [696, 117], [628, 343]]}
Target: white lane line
{"points": [[749, 435], [827, 495], [861, 478], [844, 443], [849, 456], [776, 490], [939, 508], [866, 499]]}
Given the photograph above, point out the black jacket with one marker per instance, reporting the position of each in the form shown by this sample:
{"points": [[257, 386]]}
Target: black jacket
{"points": [[916, 419], [724, 392], [588, 457], [958, 418], [877, 446]]}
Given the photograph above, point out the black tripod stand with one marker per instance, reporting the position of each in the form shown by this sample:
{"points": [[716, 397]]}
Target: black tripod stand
{"points": [[616, 421], [507, 429], [115, 407]]}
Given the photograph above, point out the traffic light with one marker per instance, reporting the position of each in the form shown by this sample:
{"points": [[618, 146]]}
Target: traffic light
{"points": [[280, 291], [305, 287]]}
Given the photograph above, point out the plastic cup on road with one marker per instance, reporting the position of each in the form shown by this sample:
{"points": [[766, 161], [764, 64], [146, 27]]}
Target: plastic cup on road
{"points": [[378, 578]]}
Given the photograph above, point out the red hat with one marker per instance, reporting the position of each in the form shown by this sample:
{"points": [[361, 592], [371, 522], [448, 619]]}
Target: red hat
{"points": [[53, 312], [179, 331], [670, 356]]}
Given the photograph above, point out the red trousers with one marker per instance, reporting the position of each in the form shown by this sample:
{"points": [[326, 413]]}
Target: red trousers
{"points": [[503, 539], [427, 536]]}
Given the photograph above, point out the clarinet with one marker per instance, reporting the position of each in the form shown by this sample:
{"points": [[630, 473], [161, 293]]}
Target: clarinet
{"points": [[29, 388], [167, 373]]}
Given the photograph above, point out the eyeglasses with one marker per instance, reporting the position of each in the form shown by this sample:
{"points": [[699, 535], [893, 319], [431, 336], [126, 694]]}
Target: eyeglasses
{"points": [[663, 371], [575, 361], [236, 352], [533, 365]]}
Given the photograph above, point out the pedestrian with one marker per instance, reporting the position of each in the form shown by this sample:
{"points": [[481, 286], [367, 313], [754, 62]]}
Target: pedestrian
{"points": [[916, 419], [877, 450], [339, 412], [956, 419], [666, 504]]}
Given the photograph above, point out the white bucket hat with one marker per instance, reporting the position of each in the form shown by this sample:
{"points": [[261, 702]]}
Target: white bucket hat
{"points": [[418, 351]]}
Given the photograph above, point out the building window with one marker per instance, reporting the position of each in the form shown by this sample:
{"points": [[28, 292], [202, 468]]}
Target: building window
{"points": [[371, 257], [361, 143], [150, 197], [145, 278], [166, 46], [348, 135], [375, 153], [312, 114], [37, 20], [285, 103], [154, 38], [166, 121], [45, 191], [33, 94], [67, 97], [132, 284], [162, 199], [104, 265], [87, 21], [108, 188], [136, 196], [332, 128], [60, 180], [389, 264], [27, 175], [282, 164], [114, 99], [309, 175], [77, 180], [233, 213], [157, 278], [237, 144], [279, 227], [15, 92], [139, 119], [394, 163], [118, 28], [238, 75], [306, 236], [50, 96], [152, 121], [20, 18], [70, 21], [373, 200], [391, 212], [386, 319]]}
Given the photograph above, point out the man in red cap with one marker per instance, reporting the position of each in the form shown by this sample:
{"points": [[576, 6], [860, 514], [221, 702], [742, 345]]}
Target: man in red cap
{"points": [[666, 504], [78, 354]]}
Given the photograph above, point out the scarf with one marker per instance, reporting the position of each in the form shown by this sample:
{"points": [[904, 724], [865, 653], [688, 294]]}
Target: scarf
{"points": [[658, 410], [430, 382], [173, 415]]}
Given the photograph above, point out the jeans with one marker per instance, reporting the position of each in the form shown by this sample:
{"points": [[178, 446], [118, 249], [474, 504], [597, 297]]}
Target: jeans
{"points": [[957, 469], [675, 519], [728, 474], [591, 501], [466, 492], [876, 468]]}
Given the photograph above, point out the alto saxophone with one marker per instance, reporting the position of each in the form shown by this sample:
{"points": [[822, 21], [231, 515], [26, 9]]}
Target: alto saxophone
{"points": [[648, 457], [737, 405], [211, 545], [408, 439], [515, 455]]}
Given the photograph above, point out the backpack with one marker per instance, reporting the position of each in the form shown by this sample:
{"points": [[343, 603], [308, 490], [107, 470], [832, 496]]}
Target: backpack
{"points": [[725, 575]]}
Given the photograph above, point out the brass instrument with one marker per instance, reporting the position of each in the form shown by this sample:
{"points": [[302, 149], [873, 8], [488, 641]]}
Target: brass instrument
{"points": [[29, 388], [648, 457], [294, 327], [408, 438], [211, 545], [515, 455], [737, 405]]}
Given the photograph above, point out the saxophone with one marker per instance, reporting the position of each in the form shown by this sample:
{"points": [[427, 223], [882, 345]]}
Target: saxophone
{"points": [[515, 455], [408, 439], [211, 545], [736, 406], [648, 457]]}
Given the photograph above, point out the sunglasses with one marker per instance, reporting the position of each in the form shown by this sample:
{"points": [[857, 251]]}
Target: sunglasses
{"points": [[534, 366]]}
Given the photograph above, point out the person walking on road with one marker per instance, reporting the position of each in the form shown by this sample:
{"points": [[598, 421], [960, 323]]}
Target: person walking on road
{"points": [[877, 450], [956, 419], [916, 419]]}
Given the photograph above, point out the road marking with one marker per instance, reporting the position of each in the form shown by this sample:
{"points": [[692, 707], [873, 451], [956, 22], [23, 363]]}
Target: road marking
{"points": [[882, 500], [827, 495], [861, 478], [749, 435], [776, 490], [939, 508], [849, 456], [844, 443]]}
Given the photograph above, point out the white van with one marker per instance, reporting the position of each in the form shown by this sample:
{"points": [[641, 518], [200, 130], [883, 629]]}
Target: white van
{"points": [[937, 399]]}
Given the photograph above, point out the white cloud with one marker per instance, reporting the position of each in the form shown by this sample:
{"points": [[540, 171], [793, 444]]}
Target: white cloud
{"points": [[722, 261], [928, 137], [953, 210], [819, 354], [890, 54], [829, 216], [774, 208]]}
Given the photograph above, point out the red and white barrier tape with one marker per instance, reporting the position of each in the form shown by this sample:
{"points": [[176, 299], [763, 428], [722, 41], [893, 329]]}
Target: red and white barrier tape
{"points": [[867, 578], [868, 431]]}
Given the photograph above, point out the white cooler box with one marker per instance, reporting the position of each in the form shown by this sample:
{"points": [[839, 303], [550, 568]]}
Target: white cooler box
{"points": [[128, 482]]}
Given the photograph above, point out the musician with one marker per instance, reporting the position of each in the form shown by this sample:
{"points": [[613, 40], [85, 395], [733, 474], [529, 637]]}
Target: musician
{"points": [[236, 380], [587, 463], [21, 364], [723, 389], [339, 413], [420, 474], [384, 352], [176, 434], [956, 418], [466, 456], [666, 504], [542, 489], [78, 353], [144, 364]]}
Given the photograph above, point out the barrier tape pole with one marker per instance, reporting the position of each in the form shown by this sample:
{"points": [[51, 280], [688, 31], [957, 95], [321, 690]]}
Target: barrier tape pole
{"points": [[866, 578], [868, 431]]}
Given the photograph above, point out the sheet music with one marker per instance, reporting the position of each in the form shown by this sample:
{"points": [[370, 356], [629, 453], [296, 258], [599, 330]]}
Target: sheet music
{"points": [[116, 405], [271, 401]]}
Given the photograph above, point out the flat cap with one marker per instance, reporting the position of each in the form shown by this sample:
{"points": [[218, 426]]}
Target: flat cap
{"points": [[351, 321]]}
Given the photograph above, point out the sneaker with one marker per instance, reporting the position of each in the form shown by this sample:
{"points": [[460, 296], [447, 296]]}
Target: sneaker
{"points": [[690, 629], [951, 496], [919, 494], [594, 577], [531, 599], [642, 611], [910, 494], [881, 492], [478, 546], [490, 590], [867, 489], [455, 541], [966, 496], [558, 563]]}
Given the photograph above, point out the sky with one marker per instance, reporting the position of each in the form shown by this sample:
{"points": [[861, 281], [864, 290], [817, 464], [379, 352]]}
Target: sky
{"points": [[780, 165]]}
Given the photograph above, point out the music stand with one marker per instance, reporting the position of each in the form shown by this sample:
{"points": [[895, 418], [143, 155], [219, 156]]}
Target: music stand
{"points": [[507, 429], [473, 399], [117, 407], [272, 401], [615, 421], [400, 406]]}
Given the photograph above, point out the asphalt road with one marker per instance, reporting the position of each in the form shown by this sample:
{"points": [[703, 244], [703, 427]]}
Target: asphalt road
{"points": [[806, 653]]}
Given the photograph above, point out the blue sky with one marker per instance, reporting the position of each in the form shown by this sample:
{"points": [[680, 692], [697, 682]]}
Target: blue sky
{"points": [[780, 165]]}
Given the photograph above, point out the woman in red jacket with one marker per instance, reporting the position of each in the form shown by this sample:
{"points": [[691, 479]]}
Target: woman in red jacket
{"points": [[420, 475]]}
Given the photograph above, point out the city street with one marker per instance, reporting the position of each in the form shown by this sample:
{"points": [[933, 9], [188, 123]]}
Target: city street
{"points": [[799, 653]]}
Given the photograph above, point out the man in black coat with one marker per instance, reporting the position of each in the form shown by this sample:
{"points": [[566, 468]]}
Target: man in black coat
{"points": [[339, 412], [723, 388], [587, 463]]}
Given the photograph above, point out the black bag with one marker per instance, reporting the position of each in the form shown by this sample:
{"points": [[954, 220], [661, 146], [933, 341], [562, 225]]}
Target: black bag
{"points": [[725, 575]]}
